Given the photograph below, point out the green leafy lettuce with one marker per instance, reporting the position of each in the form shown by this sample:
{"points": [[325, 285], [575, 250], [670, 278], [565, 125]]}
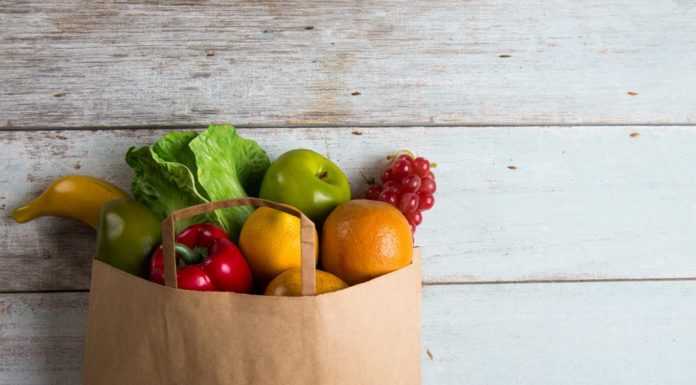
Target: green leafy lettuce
{"points": [[185, 168]]}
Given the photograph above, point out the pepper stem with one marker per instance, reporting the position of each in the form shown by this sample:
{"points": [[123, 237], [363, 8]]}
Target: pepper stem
{"points": [[190, 256]]}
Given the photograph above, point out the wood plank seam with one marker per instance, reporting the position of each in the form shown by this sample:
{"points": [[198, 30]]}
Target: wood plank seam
{"points": [[570, 280], [202, 126], [463, 283]]}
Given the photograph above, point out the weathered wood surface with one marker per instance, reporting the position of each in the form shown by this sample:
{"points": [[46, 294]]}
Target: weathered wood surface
{"points": [[561, 334], [557, 334], [520, 203], [41, 338], [132, 63]]}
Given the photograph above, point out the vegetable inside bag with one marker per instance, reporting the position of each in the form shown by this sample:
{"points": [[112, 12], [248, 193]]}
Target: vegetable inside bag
{"points": [[185, 168]]}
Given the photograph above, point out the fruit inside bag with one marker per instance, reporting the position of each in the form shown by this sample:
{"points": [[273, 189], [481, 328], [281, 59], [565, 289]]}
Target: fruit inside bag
{"points": [[361, 240], [306, 239]]}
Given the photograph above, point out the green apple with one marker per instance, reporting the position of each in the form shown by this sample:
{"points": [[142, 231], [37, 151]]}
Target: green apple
{"points": [[308, 181]]}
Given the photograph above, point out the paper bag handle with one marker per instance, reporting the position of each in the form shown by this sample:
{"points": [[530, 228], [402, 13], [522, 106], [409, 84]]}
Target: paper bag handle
{"points": [[306, 237]]}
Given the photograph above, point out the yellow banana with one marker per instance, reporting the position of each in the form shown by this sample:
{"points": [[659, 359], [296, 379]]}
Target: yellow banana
{"points": [[74, 196]]}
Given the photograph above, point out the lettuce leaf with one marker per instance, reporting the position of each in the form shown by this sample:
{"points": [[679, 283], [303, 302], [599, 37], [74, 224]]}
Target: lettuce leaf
{"points": [[184, 169], [229, 166], [173, 147], [164, 186]]}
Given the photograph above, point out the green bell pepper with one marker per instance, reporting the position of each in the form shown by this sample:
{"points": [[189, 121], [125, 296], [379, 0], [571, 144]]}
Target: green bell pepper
{"points": [[126, 234]]}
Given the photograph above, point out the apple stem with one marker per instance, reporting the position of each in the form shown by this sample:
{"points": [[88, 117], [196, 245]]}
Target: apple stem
{"points": [[323, 175]]}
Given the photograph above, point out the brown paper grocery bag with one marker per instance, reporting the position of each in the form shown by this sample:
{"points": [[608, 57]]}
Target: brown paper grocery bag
{"points": [[141, 333]]}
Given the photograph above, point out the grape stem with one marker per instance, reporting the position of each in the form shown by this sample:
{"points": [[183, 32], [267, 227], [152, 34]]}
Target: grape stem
{"points": [[365, 178], [396, 154]]}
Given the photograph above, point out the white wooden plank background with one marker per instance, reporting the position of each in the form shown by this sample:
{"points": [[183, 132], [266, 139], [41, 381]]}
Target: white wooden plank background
{"points": [[555, 334], [132, 63], [41, 338], [580, 203], [587, 175], [561, 334]]}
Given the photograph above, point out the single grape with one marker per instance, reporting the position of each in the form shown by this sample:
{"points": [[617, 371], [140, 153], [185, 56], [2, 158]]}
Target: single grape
{"points": [[425, 201], [421, 166], [391, 185], [408, 202], [372, 192], [415, 217], [430, 175], [390, 196], [387, 175], [411, 183], [401, 168], [405, 156], [412, 226], [427, 186]]}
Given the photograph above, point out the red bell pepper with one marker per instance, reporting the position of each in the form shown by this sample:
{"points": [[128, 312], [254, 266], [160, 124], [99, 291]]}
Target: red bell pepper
{"points": [[207, 260]]}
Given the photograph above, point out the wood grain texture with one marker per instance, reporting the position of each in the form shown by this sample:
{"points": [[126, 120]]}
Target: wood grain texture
{"points": [[41, 338], [519, 203], [127, 63], [561, 334]]}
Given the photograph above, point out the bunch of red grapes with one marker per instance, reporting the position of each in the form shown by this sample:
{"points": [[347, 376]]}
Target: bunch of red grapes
{"points": [[409, 185]]}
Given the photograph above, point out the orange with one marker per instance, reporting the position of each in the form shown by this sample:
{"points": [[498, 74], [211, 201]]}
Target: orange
{"points": [[289, 283], [270, 241], [363, 239]]}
